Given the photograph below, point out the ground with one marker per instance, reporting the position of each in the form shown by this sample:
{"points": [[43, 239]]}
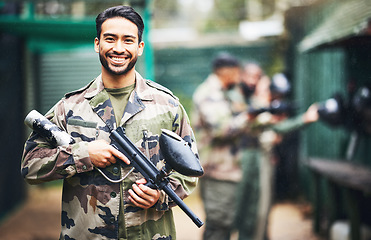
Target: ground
{"points": [[39, 219]]}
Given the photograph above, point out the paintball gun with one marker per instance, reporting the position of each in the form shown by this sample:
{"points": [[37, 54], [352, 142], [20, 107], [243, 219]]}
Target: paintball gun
{"points": [[353, 115], [177, 153], [276, 107]]}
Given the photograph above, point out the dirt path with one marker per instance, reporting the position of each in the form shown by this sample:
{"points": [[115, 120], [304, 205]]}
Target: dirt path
{"points": [[39, 219]]}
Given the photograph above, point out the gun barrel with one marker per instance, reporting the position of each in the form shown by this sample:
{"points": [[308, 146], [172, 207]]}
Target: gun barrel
{"points": [[47, 129], [149, 170], [167, 189]]}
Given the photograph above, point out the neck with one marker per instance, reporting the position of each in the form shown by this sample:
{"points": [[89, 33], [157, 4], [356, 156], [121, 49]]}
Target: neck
{"points": [[118, 81]]}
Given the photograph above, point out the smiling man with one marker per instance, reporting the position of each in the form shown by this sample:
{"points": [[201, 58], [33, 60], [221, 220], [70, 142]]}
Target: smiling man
{"points": [[92, 206], [119, 45]]}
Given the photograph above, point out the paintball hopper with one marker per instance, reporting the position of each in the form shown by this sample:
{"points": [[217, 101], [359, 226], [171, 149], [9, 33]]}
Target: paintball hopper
{"points": [[47, 129], [332, 111], [179, 155]]}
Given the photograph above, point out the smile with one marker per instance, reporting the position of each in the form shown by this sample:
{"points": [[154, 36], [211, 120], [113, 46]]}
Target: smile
{"points": [[118, 59]]}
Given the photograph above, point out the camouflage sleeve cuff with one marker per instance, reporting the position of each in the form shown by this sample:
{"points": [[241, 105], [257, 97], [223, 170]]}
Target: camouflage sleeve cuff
{"points": [[163, 202], [81, 157]]}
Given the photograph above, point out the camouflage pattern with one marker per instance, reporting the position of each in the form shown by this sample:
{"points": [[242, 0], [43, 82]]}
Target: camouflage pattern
{"points": [[51, 132], [90, 203], [219, 119]]}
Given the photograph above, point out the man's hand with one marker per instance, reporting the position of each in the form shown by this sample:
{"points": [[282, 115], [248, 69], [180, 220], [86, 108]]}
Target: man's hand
{"points": [[102, 154], [311, 115], [143, 196]]}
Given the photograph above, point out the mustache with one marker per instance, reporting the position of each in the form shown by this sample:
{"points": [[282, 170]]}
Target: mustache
{"points": [[128, 55]]}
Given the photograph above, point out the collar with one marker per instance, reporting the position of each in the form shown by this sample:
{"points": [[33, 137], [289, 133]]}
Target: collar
{"points": [[141, 88], [100, 102]]}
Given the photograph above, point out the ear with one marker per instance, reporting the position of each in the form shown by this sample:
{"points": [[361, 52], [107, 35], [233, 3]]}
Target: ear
{"points": [[96, 45], [140, 48]]}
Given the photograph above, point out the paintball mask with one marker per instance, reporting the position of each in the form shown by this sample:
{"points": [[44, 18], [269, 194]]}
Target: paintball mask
{"points": [[332, 111]]}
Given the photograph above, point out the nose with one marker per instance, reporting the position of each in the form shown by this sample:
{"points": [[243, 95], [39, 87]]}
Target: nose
{"points": [[119, 47]]}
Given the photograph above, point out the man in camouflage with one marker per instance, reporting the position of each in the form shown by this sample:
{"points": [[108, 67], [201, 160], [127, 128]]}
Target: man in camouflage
{"points": [[93, 207], [220, 118]]}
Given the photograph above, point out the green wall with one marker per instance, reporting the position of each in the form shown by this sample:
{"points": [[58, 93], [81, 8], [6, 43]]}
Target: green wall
{"points": [[340, 67]]}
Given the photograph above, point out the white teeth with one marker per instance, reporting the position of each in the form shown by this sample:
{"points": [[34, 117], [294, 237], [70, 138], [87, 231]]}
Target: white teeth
{"points": [[117, 59]]}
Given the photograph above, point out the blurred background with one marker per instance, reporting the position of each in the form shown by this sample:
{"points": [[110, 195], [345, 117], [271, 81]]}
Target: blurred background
{"points": [[322, 46]]}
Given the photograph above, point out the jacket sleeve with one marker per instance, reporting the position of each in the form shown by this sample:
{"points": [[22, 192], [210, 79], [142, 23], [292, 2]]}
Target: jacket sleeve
{"points": [[183, 185], [41, 162], [289, 125]]}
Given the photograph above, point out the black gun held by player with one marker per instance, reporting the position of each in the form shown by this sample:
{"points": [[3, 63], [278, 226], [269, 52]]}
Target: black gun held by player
{"points": [[177, 153]]}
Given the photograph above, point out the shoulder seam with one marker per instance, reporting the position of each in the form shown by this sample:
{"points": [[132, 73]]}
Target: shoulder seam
{"points": [[69, 94], [160, 88]]}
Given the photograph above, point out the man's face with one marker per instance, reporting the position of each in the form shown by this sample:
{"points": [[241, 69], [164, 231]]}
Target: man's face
{"points": [[251, 76], [118, 46], [229, 76]]}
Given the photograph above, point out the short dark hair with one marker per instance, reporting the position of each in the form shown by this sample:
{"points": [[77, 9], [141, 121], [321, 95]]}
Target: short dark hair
{"points": [[224, 60], [120, 11]]}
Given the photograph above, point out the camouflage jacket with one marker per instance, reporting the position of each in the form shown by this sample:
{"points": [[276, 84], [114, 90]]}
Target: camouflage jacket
{"points": [[90, 203], [219, 119]]}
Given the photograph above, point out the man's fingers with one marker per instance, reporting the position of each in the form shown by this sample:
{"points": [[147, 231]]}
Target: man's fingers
{"points": [[103, 163], [102, 154], [118, 154], [143, 196], [112, 159], [140, 192], [136, 197], [108, 163], [141, 181]]}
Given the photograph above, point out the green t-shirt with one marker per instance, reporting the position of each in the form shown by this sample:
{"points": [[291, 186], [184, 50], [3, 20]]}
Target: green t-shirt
{"points": [[119, 98]]}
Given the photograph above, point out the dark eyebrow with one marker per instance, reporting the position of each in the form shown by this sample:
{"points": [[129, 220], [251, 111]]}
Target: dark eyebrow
{"points": [[109, 35], [130, 36], [114, 35]]}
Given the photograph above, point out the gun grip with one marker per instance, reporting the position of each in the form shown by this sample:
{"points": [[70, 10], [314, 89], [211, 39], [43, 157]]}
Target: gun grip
{"points": [[150, 185]]}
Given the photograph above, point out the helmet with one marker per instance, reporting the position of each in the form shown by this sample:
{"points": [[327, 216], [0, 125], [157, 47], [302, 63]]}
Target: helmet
{"points": [[280, 84]]}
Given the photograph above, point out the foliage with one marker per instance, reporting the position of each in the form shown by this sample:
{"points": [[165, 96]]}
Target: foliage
{"points": [[226, 15]]}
